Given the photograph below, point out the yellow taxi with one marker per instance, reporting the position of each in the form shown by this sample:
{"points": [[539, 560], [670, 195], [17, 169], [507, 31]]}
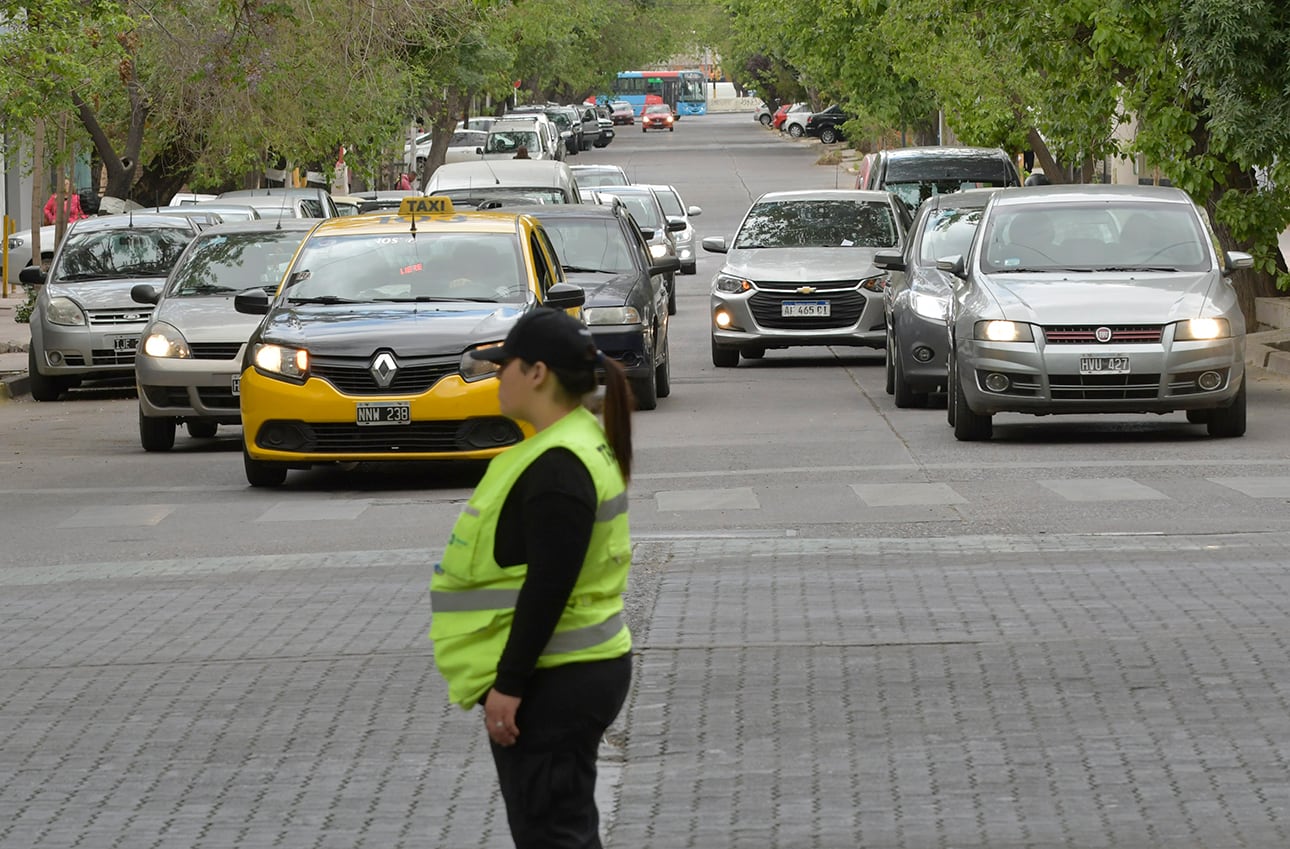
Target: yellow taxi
{"points": [[362, 351]]}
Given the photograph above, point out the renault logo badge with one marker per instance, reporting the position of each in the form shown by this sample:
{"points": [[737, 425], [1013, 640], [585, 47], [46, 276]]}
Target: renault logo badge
{"points": [[383, 369], [1102, 334]]}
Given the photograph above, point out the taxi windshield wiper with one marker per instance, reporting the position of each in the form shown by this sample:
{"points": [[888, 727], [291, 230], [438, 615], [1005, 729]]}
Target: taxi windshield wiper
{"points": [[578, 269], [324, 299], [432, 299]]}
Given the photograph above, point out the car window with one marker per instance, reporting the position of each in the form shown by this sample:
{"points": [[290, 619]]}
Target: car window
{"points": [[118, 253], [467, 138], [485, 194], [408, 267], [227, 263], [594, 179], [647, 214], [1063, 236], [509, 141], [590, 244], [670, 203], [818, 224], [947, 232]]}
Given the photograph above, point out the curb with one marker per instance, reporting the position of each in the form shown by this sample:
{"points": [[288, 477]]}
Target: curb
{"points": [[14, 386]]}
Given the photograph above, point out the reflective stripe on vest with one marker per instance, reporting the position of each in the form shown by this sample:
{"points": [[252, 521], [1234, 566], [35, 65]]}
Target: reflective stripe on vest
{"points": [[612, 508]]}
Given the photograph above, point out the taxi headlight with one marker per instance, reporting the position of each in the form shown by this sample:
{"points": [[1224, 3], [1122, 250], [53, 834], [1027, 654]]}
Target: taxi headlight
{"points": [[164, 340], [1004, 331], [733, 285], [929, 306], [65, 311], [658, 251], [472, 369], [611, 315], [1200, 329], [282, 361]]}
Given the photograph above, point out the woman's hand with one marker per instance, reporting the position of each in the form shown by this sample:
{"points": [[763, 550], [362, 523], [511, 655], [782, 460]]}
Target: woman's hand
{"points": [[499, 718]]}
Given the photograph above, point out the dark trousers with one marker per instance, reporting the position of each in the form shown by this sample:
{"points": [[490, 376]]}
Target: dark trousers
{"points": [[548, 777]]}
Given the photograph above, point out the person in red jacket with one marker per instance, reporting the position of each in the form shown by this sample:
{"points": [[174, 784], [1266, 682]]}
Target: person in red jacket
{"points": [[71, 202]]}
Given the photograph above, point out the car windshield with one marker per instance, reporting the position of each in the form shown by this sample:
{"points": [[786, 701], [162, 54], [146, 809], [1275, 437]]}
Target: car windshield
{"points": [[408, 267], [590, 244], [1069, 236], [120, 253], [596, 179], [660, 109], [818, 224], [509, 141], [915, 192], [643, 208], [226, 263], [948, 232], [670, 203], [489, 194]]}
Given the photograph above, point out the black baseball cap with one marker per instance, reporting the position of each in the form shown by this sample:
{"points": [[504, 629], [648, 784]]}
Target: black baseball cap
{"points": [[545, 335]]}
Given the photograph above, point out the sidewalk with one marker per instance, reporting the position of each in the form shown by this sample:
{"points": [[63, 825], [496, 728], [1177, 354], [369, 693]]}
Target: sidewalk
{"points": [[14, 339]]}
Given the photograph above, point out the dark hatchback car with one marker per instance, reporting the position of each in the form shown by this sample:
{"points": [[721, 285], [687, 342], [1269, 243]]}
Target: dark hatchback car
{"points": [[917, 173], [826, 125], [602, 250]]}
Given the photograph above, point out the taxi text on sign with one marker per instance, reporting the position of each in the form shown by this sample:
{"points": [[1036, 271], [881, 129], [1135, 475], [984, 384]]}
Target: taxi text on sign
{"points": [[425, 206]]}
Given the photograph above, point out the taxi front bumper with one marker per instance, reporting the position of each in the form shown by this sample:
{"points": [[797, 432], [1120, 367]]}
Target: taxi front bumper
{"points": [[315, 423]]}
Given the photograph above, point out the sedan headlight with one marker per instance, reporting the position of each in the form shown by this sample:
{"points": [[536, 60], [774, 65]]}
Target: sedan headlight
{"points": [[1004, 331], [658, 251], [164, 340], [16, 242], [1200, 329], [472, 369], [929, 306], [731, 284], [611, 315], [282, 361], [874, 284], [65, 311]]}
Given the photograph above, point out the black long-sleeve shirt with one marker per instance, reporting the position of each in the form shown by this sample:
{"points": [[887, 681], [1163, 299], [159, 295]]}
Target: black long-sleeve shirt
{"points": [[546, 522]]}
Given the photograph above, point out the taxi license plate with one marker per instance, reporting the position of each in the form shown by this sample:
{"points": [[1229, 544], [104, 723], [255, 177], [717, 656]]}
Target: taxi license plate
{"points": [[1104, 365], [236, 385], [804, 309], [125, 344], [383, 413]]}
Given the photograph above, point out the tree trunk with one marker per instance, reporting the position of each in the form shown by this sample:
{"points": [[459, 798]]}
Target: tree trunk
{"points": [[1052, 170], [443, 116], [37, 190]]}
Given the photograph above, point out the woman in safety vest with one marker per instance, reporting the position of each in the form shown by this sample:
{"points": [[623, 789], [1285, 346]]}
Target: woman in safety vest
{"points": [[528, 610]]}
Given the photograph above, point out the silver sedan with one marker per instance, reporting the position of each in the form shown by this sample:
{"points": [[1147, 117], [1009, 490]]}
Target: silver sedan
{"points": [[800, 271], [1095, 299]]}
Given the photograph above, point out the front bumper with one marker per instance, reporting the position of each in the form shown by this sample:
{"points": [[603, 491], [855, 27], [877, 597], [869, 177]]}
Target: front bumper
{"points": [[756, 319], [87, 350], [1046, 379], [629, 344], [923, 347], [316, 423], [189, 388]]}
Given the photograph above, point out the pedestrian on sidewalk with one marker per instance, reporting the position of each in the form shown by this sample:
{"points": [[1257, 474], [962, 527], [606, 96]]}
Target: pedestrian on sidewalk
{"points": [[71, 202], [527, 602]]}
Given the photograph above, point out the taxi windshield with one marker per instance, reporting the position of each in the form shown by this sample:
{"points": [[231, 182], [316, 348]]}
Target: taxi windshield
{"points": [[407, 267]]}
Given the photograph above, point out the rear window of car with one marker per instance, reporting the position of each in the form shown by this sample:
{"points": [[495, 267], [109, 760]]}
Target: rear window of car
{"points": [[818, 224], [227, 263]]}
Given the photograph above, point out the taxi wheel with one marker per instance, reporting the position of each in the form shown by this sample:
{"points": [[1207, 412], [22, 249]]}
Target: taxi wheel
{"points": [[1229, 422], [156, 434], [42, 388], [969, 426], [724, 357], [663, 372], [201, 429], [260, 473]]}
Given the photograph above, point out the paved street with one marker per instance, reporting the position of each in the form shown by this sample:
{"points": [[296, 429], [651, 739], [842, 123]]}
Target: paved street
{"points": [[851, 630]]}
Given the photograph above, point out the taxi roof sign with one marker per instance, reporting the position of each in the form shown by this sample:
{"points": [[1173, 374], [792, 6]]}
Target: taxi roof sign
{"points": [[431, 205]]}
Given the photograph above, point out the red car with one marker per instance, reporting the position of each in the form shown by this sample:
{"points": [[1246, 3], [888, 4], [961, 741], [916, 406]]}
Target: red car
{"points": [[622, 112], [658, 116], [777, 120]]}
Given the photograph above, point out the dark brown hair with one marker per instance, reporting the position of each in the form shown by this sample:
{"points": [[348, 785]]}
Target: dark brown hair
{"points": [[618, 406]]}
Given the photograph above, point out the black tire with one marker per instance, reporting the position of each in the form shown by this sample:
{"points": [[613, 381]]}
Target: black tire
{"points": [[752, 353], [671, 297], [969, 426], [156, 434], [1198, 416], [671, 129], [43, 388], [796, 131], [643, 128], [202, 428], [764, 120], [645, 390], [1229, 422], [906, 397], [692, 268], [260, 473], [724, 357], [891, 368], [663, 372], [828, 135]]}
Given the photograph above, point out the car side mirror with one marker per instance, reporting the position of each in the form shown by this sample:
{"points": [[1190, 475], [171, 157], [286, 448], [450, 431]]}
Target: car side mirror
{"points": [[715, 244], [675, 225], [953, 265], [563, 296], [889, 261], [479, 151], [252, 302], [1239, 259], [144, 293], [694, 210], [664, 265], [647, 233], [32, 275]]}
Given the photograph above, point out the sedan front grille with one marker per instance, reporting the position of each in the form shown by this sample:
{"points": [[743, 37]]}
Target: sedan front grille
{"points": [[1087, 334], [215, 350], [1103, 387], [845, 309], [432, 437], [112, 318], [109, 357], [353, 376]]}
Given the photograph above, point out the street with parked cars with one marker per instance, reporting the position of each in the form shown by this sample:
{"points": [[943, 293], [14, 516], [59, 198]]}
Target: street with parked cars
{"points": [[958, 512]]}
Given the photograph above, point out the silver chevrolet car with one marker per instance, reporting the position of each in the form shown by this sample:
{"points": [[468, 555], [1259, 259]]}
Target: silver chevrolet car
{"points": [[800, 271], [190, 359], [1095, 299]]}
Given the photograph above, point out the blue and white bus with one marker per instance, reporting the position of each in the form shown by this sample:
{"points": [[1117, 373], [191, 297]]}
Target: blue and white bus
{"points": [[685, 91]]}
